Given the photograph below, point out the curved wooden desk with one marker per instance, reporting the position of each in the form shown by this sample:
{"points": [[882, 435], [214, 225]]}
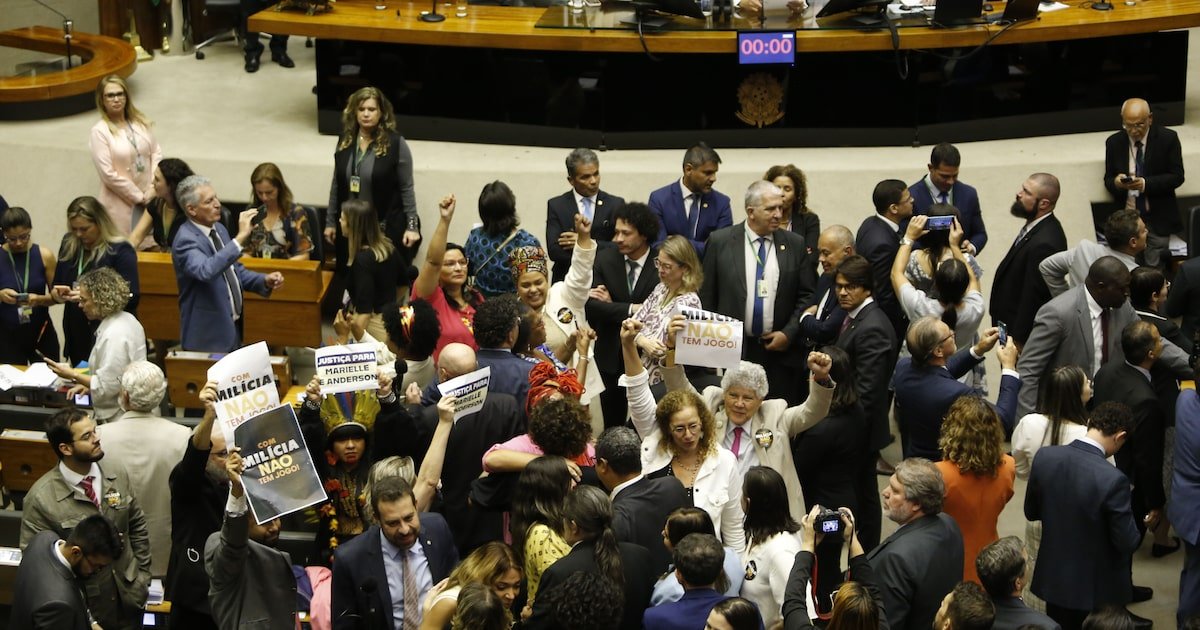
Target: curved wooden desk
{"points": [[514, 28], [101, 56]]}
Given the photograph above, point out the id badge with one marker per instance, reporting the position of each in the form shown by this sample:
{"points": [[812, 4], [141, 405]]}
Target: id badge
{"points": [[354, 184], [24, 314], [762, 288], [139, 164]]}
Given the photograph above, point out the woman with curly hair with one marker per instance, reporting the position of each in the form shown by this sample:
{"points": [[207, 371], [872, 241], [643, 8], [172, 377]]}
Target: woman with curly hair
{"points": [[442, 282], [680, 439], [480, 608], [490, 246], [679, 278], [373, 163], [977, 472], [493, 565], [797, 216], [557, 426], [413, 332], [120, 340], [536, 524]]}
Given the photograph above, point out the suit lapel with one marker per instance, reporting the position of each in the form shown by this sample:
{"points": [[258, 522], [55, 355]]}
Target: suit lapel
{"points": [[739, 264], [377, 571], [1083, 316], [647, 278]]}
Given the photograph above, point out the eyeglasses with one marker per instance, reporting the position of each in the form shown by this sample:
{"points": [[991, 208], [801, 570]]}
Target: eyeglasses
{"points": [[847, 287], [23, 238], [1137, 125], [664, 266], [112, 96]]}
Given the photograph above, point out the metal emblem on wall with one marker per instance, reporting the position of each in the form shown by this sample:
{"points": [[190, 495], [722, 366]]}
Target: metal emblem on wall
{"points": [[760, 97]]}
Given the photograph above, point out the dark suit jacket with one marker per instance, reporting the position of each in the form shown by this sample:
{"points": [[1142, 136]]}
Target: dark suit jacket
{"points": [[1141, 459], [965, 200], [45, 594], [392, 193], [795, 607], [197, 507], [362, 558], [252, 584], [827, 459], [915, 567], [1163, 160], [1166, 386], [205, 312], [1012, 613], [667, 204], [725, 291], [689, 613], [606, 317], [822, 328], [510, 373], [924, 395], [640, 511], [1088, 531], [1018, 290], [639, 582], [560, 217], [1184, 300], [1185, 481], [878, 244], [870, 341]]}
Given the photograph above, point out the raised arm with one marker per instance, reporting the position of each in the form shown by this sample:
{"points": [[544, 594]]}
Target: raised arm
{"points": [[637, 382], [583, 259], [431, 271], [956, 239], [916, 229], [431, 467]]}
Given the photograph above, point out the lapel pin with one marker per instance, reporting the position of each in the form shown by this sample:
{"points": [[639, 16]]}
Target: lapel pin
{"points": [[783, 248]]}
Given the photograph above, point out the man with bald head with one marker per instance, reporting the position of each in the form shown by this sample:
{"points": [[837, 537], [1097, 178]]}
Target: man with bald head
{"points": [[1083, 327], [1143, 165], [822, 317], [1018, 290], [500, 419]]}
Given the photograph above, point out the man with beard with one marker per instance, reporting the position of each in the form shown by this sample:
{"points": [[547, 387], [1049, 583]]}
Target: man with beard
{"points": [[78, 488], [198, 489], [1018, 290], [46, 594], [381, 578], [690, 207], [252, 583]]}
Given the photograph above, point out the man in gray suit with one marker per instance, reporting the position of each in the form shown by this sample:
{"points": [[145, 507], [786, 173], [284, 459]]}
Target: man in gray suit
{"points": [[78, 488], [1083, 327], [1125, 238], [46, 593], [250, 582]]}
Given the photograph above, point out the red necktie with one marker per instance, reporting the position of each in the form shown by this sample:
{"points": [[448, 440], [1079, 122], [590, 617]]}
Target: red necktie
{"points": [[737, 442], [845, 325], [85, 484]]}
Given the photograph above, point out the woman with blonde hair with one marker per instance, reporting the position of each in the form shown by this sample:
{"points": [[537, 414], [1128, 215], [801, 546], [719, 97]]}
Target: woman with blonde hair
{"points": [[124, 152], [373, 163], [374, 264], [281, 229], [494, 565], [680, 277], [480, 608], [978, 474], [92, 242]]}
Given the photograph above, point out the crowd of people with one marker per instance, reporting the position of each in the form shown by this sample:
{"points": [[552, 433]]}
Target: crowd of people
{"points": [[709, 500]]}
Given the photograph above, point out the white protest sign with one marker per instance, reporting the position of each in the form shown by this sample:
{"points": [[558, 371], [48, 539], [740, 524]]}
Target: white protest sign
{"points": [[347, 368], [245, 386], [709, 339], [469, 391]]}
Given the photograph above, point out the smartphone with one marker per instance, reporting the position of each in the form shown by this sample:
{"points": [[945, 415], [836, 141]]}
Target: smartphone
{"points": [[940, 223], [1127, 180], [22, 298], [83, 400], [1003, 333]]}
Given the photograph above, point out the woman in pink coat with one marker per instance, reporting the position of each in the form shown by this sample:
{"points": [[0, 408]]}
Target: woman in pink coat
{"points": [[124, 151]]}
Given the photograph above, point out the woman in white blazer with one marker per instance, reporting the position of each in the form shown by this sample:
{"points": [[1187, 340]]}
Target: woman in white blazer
{"points": [[679, 439]]}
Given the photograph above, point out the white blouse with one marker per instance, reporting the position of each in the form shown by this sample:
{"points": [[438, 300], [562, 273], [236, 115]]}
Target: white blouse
{"points": [[1033, 432]]}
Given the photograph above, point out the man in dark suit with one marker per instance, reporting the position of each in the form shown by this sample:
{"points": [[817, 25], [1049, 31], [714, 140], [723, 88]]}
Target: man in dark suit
{"points": [[1018, 290], [586, 198], [878, 240], [922, 561], [762, 275], [698, 561], [1088, 529], [251, 582], [822, 317], [926, 383], [371, 573], [1185, 500], [1143, 165], [640, 505], [942, 185], [620, 283], [1001, 567], [46, 594], [869, 339], [496, 327], [1183, 301], [690, 207], [967, 607], [210, 278]]}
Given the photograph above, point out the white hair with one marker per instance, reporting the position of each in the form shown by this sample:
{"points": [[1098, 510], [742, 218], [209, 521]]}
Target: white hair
{"points": [[145, 384], [752, 376], [758, 191]]}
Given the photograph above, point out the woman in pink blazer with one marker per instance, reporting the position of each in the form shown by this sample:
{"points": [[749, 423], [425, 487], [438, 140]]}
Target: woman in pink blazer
{"points": [[124, 151]]}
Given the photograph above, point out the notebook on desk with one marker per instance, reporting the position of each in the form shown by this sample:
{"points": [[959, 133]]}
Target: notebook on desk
{"points": [[1016, 11], [957, 13]]}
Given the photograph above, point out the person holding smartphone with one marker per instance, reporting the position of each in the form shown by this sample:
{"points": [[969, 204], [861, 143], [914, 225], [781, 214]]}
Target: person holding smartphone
{"points": [[25, 269], [860, 587]]}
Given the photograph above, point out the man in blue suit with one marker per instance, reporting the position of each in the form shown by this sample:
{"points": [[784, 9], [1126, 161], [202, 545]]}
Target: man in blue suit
{"points": [[942, 185], [1185, 500], [690, 207], [210, 278], [1088, 530], [698, 561], [371, 571], [926, 383]]}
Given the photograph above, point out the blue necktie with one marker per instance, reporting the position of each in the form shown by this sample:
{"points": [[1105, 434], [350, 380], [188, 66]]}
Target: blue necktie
{"points": [[756, 324], [587, 208], [694, 216]]}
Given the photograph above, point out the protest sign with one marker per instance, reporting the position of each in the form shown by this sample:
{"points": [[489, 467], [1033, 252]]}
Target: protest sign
{"points": [[469, 391], [279, 475], [245, 386], [709, 340], [347, 368]]}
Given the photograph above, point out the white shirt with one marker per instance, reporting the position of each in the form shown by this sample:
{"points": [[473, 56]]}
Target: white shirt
{"points": [[73, 479], [1098, 446], [617, 490], [1132, 195], [935, 192], [637, 274], [895, 227], [1029, 226], [746, 455], [687, 204], [770, 279], [858, 309], [1095, 311], [770, 562]]}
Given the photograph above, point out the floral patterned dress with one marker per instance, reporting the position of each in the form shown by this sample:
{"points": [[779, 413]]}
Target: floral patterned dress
{"points": [[655, 315]]}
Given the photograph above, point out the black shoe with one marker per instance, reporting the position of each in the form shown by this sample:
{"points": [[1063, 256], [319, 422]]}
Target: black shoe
{"points": [[252, 64], [1159, 551], [283, 59], [1141, 623], [1142, 594]]}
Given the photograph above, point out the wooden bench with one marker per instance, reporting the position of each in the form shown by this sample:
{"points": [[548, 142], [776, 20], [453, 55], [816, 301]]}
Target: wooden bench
{"points": [[101, 56]]}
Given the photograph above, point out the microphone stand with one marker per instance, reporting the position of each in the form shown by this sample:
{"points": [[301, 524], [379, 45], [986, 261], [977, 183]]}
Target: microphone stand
{"points": [[433, 16], [67, 26]]}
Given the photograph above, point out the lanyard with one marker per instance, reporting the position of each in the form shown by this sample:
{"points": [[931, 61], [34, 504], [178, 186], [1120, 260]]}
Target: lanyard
{"points": [[24, 285], [754, 250], [359, 155], [78, 266]]}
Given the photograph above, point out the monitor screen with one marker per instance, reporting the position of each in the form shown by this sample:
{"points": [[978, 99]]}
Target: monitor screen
{"points": [[767, 47]]}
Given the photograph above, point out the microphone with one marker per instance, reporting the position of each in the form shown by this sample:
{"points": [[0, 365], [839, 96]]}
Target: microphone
{"points": [[67, 27]]}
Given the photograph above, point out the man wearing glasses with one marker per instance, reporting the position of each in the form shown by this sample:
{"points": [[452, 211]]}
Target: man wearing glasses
{"points": [[1143, 165]]}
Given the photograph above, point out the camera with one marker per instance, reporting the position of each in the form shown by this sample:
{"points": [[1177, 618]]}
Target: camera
{"points": [[828, 522], [944, 222]]}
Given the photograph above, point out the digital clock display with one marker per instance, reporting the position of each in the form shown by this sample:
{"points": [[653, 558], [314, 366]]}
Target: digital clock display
{"points": [[767, 47]]}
